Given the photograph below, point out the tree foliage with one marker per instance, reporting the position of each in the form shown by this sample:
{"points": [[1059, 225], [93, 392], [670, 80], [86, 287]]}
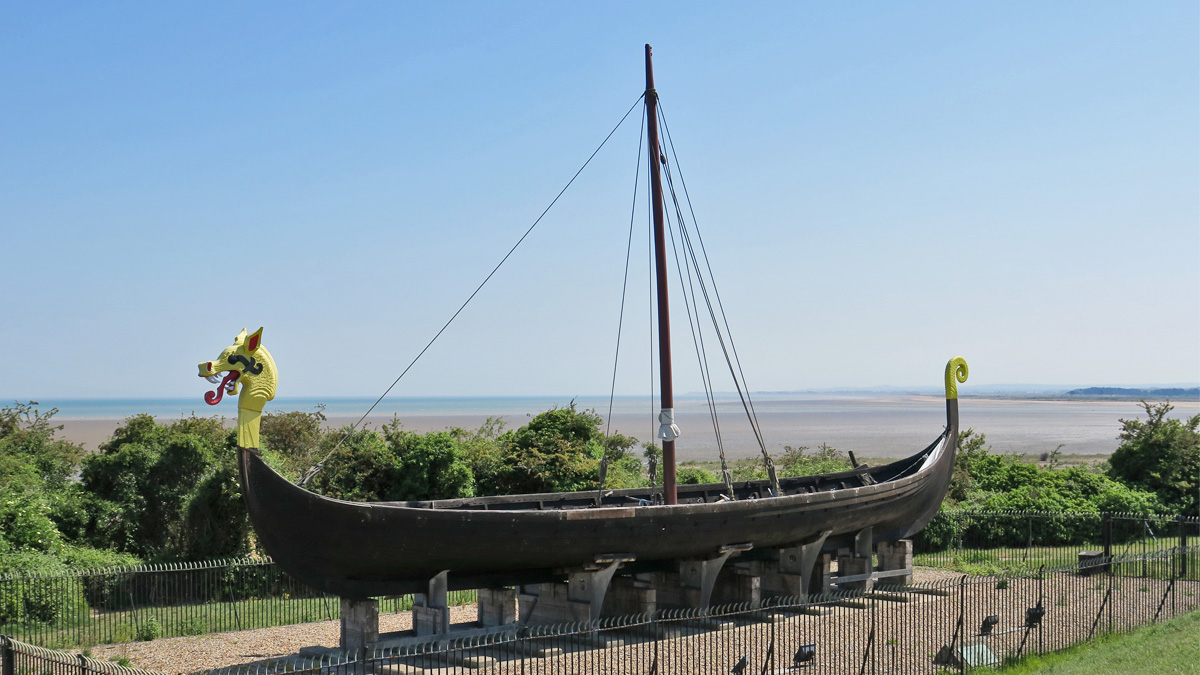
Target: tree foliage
{"points": [[1161, 455], [40, 504], [166, 491]]}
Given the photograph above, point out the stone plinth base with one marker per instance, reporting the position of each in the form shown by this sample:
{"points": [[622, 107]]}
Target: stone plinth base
{"points": [[631, 595], [850, 566], [778, 580], [895, 555], [497, 606], [360, 623], [431, 620], [550, 603]]}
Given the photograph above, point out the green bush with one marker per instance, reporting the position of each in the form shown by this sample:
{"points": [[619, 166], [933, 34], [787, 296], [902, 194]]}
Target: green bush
{"points": [[193, 626], [694, 475], [149, 630], [825, 460], [558, 451]]}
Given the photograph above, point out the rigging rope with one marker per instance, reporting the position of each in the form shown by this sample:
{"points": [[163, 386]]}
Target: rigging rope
{"points": [[717, 293], [747, 401], [624, 284], [321, 464], [689, 303]]}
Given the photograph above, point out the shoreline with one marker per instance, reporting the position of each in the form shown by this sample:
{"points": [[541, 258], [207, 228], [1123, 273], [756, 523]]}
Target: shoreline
{"points": [[872, 426]]}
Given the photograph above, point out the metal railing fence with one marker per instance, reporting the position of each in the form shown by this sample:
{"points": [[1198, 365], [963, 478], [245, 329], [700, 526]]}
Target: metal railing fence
{"points": [[77, 609], [950, 625], [1017, 542]]}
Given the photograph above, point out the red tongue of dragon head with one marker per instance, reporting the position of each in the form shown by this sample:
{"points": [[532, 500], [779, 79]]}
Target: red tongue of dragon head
{"points": [[214, 397]]}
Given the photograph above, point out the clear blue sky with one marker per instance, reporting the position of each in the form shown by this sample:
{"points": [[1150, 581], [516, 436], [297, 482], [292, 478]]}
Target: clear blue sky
{"points": [[881, 186]]}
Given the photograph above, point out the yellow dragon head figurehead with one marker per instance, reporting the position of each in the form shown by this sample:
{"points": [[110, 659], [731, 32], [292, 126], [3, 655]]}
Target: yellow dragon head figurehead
{"points": [[248, 366]]}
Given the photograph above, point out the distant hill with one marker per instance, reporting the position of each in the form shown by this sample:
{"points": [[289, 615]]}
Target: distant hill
{"points": [[1169, 392]]}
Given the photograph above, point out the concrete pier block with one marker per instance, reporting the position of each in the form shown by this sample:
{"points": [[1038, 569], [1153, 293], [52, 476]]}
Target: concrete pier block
{"points": [[430, 620], [360, 623], [631, 595], [550, 603], [497, 606], [895, 555], [738, 585], [822, 575], [850, 566]]}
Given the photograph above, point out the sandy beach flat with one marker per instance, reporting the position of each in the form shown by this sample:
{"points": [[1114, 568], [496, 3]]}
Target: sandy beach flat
{"points": [[879, 426]]}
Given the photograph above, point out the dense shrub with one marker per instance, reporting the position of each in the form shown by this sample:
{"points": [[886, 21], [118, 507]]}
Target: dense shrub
{"points": [[825, 460], [428, 466], [988, 482], [362, 468], [295, 438], [558, 451], [694, 475]]}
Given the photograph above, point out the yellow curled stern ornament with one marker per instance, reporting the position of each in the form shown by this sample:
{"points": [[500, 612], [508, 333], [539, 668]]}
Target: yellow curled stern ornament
{"points": [[248, 367], [956, 371]]}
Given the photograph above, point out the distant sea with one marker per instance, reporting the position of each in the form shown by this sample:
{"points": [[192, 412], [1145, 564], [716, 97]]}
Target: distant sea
{"points": [[873, 425]]}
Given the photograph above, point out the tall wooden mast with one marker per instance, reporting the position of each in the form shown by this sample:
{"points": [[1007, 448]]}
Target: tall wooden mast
{"points": [[667, 431]]}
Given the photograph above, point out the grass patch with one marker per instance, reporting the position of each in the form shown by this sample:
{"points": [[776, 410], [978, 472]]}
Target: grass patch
{"points": [[151, 623], [1170, 647]]}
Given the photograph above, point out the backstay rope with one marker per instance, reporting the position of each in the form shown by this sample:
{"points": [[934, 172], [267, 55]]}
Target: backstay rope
{"points": [[624, 285]]}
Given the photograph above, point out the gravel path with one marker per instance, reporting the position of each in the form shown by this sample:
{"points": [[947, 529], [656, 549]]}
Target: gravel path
{"points": [[907, 633]]}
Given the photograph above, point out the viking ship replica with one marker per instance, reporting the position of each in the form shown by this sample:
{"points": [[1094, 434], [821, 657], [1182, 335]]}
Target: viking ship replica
{"points": [[362, 550]]}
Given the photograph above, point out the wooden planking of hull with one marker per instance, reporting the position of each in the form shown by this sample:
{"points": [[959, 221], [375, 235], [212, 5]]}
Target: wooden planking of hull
{"points": [[361, 550]]}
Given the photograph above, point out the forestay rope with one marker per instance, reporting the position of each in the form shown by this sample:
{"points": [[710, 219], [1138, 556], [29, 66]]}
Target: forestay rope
{"points": [[316, 468]]}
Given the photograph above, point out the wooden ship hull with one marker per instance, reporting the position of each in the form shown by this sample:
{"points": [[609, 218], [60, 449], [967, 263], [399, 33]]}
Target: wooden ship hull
{"points": [[361, 550]]}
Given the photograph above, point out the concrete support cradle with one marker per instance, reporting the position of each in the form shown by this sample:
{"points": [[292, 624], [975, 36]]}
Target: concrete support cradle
{"points": [[497, 606], [701, 575], [580, 599], [800, 562], [591, 585]]}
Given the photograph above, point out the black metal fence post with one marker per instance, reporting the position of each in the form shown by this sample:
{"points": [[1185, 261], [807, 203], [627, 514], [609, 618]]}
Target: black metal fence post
{"points": [[1106, 538], [1112, 580], [1183, 545], [1041, 597], [1145, 531], [961, 627], [8, 660]]}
